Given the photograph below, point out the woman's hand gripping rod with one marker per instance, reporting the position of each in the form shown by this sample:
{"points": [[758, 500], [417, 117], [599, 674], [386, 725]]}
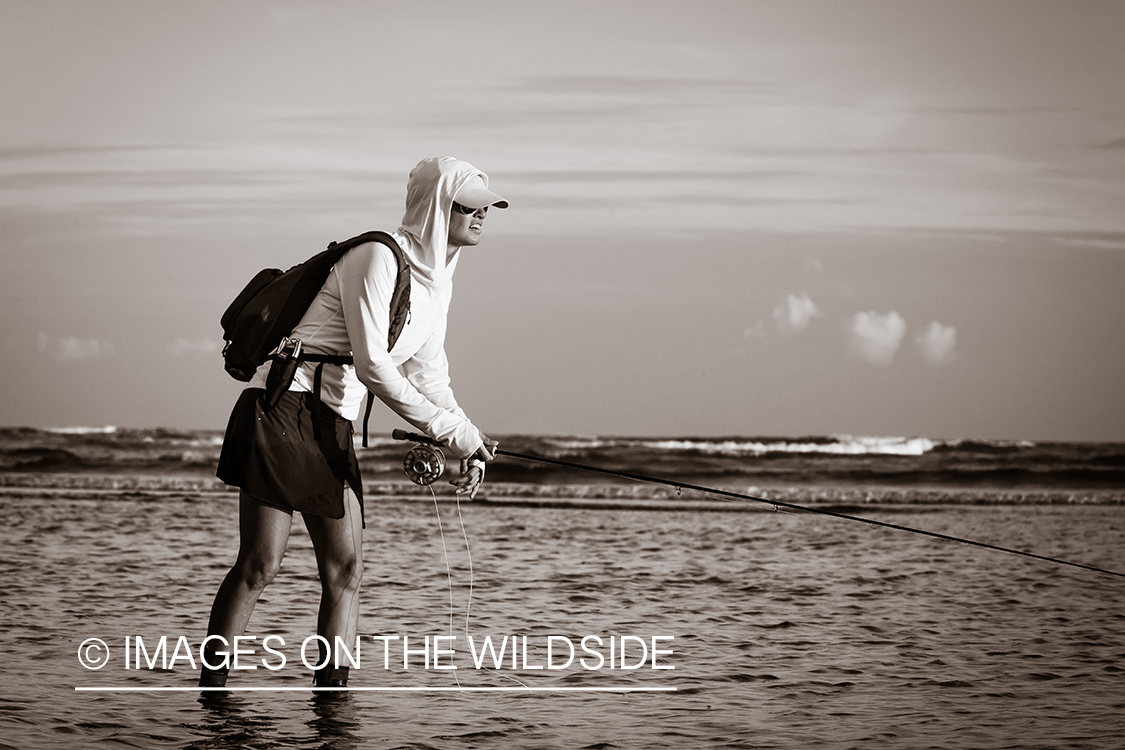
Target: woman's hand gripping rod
{"points": [[424, 465]]}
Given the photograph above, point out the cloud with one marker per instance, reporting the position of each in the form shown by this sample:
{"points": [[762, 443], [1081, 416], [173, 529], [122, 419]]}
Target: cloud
{"points": [[74, 349], [185, 348], [757, 331], [1108, 242], [649, 89], [876, 338], [937, 343], [796, 313]]}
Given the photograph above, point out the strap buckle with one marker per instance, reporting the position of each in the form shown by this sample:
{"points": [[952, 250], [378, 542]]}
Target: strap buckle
{"points": [[289, 348]]}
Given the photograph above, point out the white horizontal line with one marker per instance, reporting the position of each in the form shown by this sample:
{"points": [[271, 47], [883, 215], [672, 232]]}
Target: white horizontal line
{"points": [[376, 689]]}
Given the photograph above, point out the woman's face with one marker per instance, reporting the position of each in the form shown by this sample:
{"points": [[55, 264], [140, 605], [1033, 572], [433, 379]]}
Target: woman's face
{"points": [[465, 229]]}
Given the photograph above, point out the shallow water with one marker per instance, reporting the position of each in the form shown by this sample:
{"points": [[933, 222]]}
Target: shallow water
{"points": [[790, 630]]}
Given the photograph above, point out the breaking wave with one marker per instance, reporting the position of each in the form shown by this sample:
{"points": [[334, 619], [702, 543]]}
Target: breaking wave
{"points": [[850, 463]]}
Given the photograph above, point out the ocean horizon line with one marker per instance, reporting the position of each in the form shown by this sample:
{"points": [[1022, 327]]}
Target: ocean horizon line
{"points": [[873, 440]]}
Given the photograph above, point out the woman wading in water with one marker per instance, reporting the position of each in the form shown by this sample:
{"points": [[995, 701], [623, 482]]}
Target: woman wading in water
{"points": [[298, 455]]}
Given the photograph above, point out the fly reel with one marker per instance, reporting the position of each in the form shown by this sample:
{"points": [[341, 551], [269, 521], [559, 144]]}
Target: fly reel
{"points": [[424, 464]]}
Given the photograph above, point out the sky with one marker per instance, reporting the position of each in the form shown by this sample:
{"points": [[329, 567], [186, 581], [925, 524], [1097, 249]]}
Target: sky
{"points": [[727, 218]]}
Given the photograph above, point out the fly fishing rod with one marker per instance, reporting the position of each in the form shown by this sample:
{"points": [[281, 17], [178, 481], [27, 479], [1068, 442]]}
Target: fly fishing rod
{"points": [[425, 466]]}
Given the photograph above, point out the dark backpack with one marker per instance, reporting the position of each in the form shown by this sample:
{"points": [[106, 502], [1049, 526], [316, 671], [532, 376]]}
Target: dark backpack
{"points": [[273, 303]]}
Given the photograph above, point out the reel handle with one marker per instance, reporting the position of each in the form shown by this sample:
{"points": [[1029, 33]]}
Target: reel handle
{"points": [[413, 437]]}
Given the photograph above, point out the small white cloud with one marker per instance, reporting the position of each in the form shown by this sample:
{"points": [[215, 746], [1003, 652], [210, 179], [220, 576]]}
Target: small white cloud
{"points": [[813, 265], [937, 343], [185, 348], [74, 349], [757, 331], [796, 313], [876, 338]]}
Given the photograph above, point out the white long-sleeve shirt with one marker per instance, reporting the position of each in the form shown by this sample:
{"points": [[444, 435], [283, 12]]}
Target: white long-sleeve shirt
{"points": [[351, 315]]}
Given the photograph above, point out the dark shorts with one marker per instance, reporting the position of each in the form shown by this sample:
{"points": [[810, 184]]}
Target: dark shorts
{"points": [[280, 458]]}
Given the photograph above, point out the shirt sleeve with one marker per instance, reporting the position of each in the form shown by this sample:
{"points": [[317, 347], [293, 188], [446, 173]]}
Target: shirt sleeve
{"points": [[428, 371], [366, 276]]}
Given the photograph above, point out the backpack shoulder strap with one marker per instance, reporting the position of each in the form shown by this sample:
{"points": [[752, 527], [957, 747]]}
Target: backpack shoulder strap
{"points": [[400, 299], [399, 311]]}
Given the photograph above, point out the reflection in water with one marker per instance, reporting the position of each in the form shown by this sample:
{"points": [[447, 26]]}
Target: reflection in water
{"points": [[336, 720], [228, 721]]}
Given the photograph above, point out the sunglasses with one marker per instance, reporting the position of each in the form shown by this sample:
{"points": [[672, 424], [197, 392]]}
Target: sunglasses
{"points": [[466, 210]]}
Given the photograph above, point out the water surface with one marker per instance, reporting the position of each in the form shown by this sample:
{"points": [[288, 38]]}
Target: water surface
{"points": [[791, 630]]}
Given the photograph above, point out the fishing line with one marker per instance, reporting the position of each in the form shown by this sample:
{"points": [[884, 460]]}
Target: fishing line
{"points": [[448, 572], [469, 603], [449, 577], [469, 555], [739, 497]]}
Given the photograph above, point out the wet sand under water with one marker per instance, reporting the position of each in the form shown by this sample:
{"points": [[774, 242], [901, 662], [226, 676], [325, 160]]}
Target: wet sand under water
{"points": [[791, 630]]}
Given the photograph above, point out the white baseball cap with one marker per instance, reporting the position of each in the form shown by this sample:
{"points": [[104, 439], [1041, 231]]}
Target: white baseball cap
{"points": [[475, 194]]}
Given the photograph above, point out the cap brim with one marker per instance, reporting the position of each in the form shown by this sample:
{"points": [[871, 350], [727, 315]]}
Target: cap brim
{"points": [[479, 198]]}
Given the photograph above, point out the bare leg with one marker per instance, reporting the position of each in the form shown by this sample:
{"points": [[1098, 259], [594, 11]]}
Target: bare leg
{"points": [[339, 558], [263, 536]]}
